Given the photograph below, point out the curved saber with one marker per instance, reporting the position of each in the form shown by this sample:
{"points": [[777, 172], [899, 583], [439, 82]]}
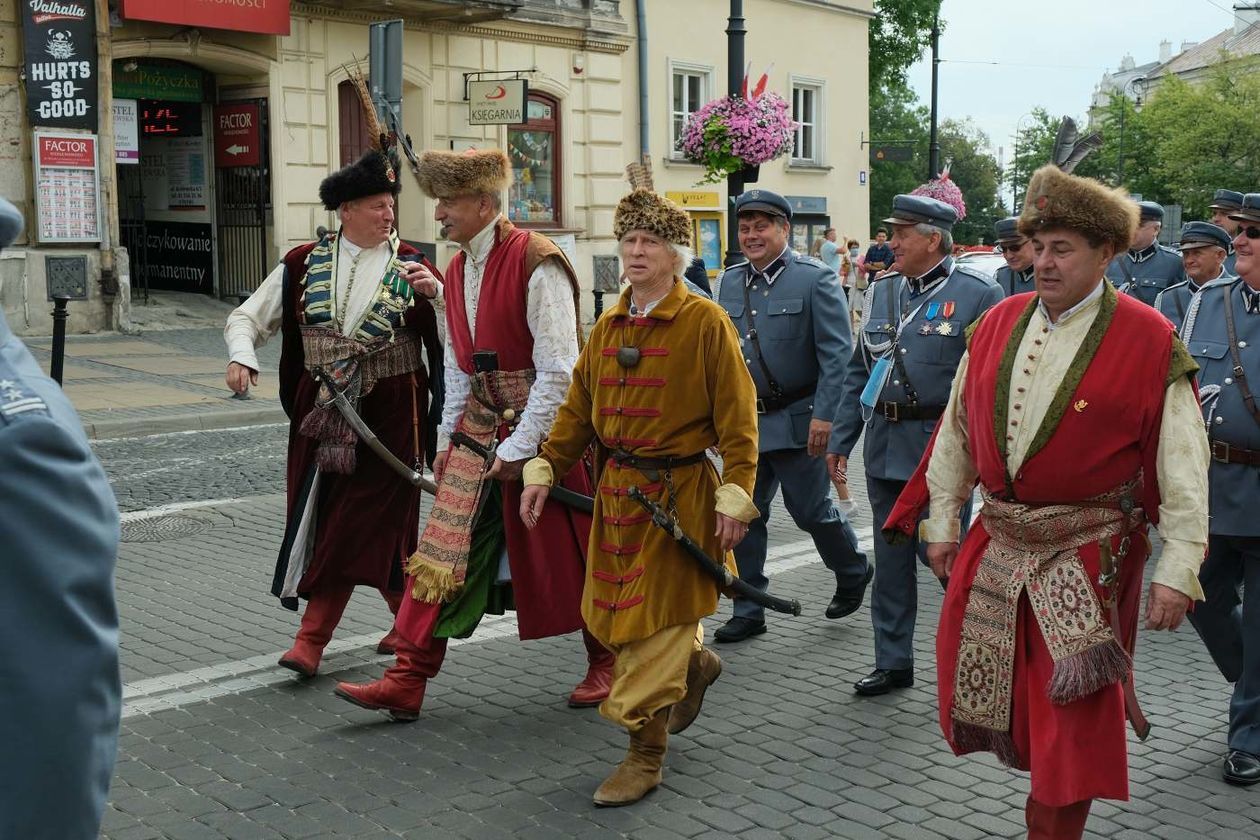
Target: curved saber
{"points": [[715, 570], [339, 401]]}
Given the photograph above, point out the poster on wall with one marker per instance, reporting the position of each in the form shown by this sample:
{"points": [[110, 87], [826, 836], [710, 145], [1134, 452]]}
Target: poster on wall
{"points": [[126, 132], [180, 256], [59, 40], [67, 186], [186, 173]]}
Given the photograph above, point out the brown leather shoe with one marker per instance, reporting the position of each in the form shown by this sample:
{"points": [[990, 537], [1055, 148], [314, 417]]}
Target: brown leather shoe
{"points": [[703, 670], [640, 771], [396, 698]]}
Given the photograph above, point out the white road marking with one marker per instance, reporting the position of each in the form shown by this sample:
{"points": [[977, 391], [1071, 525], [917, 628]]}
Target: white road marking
{"points": [[175, 507], [185, 433], [183, 688]]}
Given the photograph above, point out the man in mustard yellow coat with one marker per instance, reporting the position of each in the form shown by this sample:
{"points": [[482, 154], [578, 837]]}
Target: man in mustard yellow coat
{"points": [[661, 380]]}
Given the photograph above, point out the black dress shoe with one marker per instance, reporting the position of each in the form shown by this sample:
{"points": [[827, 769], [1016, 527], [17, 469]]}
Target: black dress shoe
{"points": [[1242, 768], [738, 629], [846, 601], [881, 681]]}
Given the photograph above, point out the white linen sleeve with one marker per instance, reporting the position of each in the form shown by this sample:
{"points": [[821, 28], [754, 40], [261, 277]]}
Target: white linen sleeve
{"points": [[458, 387], [1181, 468], [552, 317], [251, 324]]}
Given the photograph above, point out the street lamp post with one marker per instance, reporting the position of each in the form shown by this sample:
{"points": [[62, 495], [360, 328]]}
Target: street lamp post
{"points": [[735, 32], [934, 144]]}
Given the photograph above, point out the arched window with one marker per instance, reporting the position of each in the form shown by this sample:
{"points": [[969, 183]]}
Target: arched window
{"points": [[534, 148]]}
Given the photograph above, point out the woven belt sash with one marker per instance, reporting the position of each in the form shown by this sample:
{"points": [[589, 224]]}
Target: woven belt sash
{"points": [[1033, 549], [355, 366], [440, 564]]}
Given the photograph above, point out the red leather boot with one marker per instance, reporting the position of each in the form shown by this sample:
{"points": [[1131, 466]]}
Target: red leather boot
{"points": [[389, 643], [1064, 822], [400, 691], [323, 612], [592, 690]]}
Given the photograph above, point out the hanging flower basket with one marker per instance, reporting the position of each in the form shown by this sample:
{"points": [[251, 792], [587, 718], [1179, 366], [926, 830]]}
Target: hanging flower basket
{"points": [[734, 133]]}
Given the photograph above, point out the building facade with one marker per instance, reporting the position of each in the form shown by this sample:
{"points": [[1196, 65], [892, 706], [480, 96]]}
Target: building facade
{"points": [[212, 130]]}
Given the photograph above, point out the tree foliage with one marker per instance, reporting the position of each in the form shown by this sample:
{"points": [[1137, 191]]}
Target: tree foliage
{"points": [[964, 147], [898, 34], [896, 116]]}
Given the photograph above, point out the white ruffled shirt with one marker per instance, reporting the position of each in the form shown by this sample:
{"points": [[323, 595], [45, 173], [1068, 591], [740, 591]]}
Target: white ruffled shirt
{"points": [[551, 315]]}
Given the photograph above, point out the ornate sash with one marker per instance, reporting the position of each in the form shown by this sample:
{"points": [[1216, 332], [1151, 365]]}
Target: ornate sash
{"points": [[1033, 548], [440, 564]]}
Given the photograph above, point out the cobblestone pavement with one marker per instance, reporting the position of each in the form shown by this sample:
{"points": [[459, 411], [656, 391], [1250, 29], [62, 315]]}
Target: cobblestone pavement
{"points": [[219, 742]]}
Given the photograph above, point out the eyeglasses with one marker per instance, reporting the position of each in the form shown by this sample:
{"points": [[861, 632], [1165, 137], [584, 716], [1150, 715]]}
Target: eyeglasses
{"points": [[1251, 232], [1010, 248]]}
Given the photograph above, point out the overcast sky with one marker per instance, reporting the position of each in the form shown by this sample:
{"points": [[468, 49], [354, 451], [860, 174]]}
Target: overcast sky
{"points": [[1049, 54]]}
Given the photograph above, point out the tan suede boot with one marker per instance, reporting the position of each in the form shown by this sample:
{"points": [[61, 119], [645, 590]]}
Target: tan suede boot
{"points": [[703, 670], [640, 771]]}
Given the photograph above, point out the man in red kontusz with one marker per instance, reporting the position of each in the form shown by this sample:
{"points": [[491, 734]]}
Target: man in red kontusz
{"points": [[512, 339], [1075, 410]]}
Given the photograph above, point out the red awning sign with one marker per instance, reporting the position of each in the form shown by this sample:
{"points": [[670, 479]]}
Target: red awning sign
{"points": [[270, 17], [237, 135]]}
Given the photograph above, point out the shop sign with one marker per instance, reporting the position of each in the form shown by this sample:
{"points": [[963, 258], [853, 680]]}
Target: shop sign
{"points": [[270, 17], [237, 135], [59, 39], [180, 256], [695, 198], [497, 102], [67, 187], [170, 83], [126, 131], [815, 205]]}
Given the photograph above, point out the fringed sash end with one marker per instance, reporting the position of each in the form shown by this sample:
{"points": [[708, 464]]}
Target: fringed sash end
{"points": [[1081, 674], [430, 581], [968, 737]]}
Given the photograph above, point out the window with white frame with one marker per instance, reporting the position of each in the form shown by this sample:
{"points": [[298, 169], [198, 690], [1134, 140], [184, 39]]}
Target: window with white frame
{"points": [[807, 111], [689, 86]]}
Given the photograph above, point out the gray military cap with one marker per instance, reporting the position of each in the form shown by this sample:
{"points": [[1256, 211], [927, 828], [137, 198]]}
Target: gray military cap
{"points": [[1226, 200], [10, 223], [1249, 210], [919, 209], [1201, 235], [1007, 230], [1151, 212]]}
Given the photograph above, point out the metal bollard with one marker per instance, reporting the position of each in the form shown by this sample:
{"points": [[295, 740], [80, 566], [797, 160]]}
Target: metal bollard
{"points": [[59, 315]]}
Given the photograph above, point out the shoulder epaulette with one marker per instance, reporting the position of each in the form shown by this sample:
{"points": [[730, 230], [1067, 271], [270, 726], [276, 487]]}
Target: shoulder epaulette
{"points": [[17, 399], [806, 259], [974, 273]]}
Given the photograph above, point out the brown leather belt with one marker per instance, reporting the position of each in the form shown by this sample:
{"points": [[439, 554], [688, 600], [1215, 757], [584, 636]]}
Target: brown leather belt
{"points": [[896, 412], [1225, 453], [625, 459]]}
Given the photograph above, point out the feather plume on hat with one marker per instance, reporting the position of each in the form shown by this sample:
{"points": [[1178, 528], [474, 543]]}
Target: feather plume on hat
{"points": [[376, 171]]}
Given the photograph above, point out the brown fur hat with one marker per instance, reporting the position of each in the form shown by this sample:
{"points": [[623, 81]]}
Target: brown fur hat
{"points": [[646, 210], [1095, 211], [474, 172]]}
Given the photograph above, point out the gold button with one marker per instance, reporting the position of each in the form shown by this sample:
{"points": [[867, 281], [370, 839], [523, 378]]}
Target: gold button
{"points": [[1026, 370], [1031, 357], [1037, 341], [621, 381], [619, 409], [509, 414]]}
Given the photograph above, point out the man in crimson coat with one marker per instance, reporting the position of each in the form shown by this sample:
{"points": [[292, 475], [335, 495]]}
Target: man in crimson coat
{"points": [[346, 305], [512, 338], [1075, 410]]}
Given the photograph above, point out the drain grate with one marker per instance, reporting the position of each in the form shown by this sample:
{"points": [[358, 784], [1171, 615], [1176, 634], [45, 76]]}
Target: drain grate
{"points": [[160, 528]]}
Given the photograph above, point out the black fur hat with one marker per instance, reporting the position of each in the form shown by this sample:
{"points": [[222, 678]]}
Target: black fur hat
{"points": [[371, 174]]}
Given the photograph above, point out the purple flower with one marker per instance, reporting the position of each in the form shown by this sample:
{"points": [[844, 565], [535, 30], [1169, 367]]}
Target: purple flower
{"points": [[728, 134]]}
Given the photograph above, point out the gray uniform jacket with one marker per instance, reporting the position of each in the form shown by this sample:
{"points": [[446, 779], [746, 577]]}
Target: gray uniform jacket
{"points": [[59, 683], [802, 323], [1154, 270], [1013, 282], [1174, 301], [1233, 488], [929, 350]]}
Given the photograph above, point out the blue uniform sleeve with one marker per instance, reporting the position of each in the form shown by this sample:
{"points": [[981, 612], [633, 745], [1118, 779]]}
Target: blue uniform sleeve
{"points": [[833, 342], [846, 428], [59, 708]]}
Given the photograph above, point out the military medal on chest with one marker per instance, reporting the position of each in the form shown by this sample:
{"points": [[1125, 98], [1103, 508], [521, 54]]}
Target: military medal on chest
{"points": [[929, 315]]}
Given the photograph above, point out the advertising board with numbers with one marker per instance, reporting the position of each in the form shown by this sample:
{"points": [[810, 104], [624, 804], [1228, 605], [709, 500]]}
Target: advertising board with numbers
{"points": [[60, 45], [67, 187]]}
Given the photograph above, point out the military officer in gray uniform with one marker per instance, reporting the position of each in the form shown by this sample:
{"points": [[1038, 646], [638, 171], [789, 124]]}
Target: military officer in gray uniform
{"points": [[59, 704], [1203, 248], [912, 338], [1222, 332], [1223, 203], [1147, 268], [1016, 277], [793, 322]]}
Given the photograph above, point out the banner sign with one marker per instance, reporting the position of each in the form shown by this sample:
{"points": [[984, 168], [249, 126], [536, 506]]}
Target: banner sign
{"points": [[170, 83], [180, 256], [59, 38], [270, 17], [126, 131], [497, 103], [237, 135], [67, 186]]}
